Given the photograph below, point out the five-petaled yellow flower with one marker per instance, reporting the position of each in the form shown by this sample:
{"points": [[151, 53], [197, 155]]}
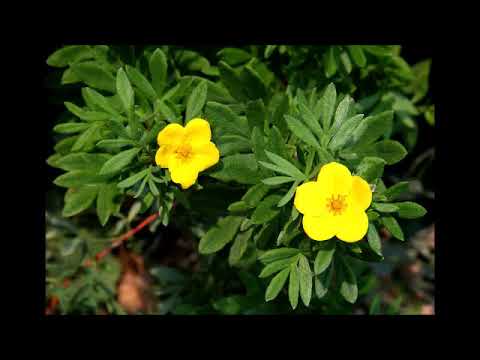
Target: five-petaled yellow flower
{"points": [[186, 151], [334, 205]]}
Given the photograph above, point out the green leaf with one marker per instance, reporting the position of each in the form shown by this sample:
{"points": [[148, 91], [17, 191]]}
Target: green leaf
{"points": [[234, 56], [241, 168], [371, 128], [330, 62], [70, 128], [341, 113], [289, 195], [324, 256], [86, 115], [385, 208], [78, 178], [220, 234], [305, 275], [196, 101], [82, 161], [276, 266], [374, 239], [158, 69], [69, 55], [410, 210], [287, 167], [167, 112], [69, 77], [101, 102], [141, 83], [256, 114], [392, 225], [266, 210], [294, 285], [269, 50], [310, 119], [277, 180], [119, 161], [389, 150], [357, 55], [94, 75], [393, 192], [224, 120], [370, 168], [326, 106], [375, 305], [77, 200], [301, 131], [105, 203], [153, 188], [87, 138], [130, 181], [125, 90], [114, 144], [252, 83], [344, 133], [346, 62], [276, 284], [255, 194], [239, 246], [232, 81], [274, 255], [322, 282], [348, 283]]}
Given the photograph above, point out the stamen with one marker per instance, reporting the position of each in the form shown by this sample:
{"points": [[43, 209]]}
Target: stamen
{"points": [[336, 204]]}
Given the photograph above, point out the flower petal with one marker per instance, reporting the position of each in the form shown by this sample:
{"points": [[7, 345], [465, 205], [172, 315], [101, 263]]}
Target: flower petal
{"points": [[163, 155], [320, 227], [171, 134], [198, 132], [310, 199], [205, 156], [361, 193], [352, 226], [335, 178], [184, 174]]}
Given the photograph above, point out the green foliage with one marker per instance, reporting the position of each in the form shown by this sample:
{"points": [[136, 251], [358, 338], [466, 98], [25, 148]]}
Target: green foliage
{"points": [[354, 104]]}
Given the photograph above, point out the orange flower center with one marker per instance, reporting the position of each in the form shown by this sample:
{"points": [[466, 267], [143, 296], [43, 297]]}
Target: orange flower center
{"points": [[184, 152], [336, 205]]}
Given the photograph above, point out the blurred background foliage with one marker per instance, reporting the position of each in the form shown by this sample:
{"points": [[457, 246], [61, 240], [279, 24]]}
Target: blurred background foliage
{"points": [[159, 270]]}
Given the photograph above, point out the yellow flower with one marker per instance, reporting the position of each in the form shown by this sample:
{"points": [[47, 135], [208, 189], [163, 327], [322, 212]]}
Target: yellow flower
{"points": [[334, 205], [186, 151]]}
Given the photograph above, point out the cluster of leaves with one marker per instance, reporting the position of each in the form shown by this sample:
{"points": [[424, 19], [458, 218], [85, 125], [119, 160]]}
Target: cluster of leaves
{"points": [[271, 137]]}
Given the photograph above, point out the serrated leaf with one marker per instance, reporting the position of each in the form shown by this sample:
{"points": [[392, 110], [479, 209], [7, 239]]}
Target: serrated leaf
{"points": [[324, 256], [392, 225], [374, 239], [158, 69], [276, 284], [119, 161], [301, 131], [78, 200]]}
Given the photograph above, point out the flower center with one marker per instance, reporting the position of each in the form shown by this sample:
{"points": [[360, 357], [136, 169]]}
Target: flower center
{"points": [[336, 204], [184, 152]]}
